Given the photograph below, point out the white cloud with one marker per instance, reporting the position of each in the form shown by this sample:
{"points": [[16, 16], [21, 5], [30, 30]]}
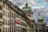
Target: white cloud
{"points": [[21, 6], [44, 12], [32, 2], [36, 7], [19, 3], [46, 1]]}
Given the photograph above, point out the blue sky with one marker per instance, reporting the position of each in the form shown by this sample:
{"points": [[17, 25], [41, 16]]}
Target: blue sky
{"points": [[33, 3], [39, 3]]}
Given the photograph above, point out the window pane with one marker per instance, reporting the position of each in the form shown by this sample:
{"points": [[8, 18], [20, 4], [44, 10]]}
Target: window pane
{"points": [[0, 15], [0, 30], [0, 0], [0, 8]]}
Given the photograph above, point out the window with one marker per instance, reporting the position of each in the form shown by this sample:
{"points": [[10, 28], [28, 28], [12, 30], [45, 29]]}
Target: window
{"points": [[6, 29], [32, 30], [0, 30], [11, 22], [24, 30], [3, 13], [13, 15], [0, 0], [18, 16], [36, 30], [0, 15], [0, 8], [10, 14], [22, 18], [36, 26], [23, 24], [39, 30], [32, 26], [3, 20], [6, 13]]}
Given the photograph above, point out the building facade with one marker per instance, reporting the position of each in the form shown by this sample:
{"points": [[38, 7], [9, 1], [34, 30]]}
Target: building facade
{"points": [[9, 17], [1, 20]]}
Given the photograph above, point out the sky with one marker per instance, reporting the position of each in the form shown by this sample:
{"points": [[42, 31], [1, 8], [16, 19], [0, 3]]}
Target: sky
{"points": [[41, 7], [32, 3], [38, 3]]}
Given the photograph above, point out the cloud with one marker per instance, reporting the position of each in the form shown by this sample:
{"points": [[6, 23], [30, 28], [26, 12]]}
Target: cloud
{"points": [[44, 11], [19, 3], [46, 1], [36, 4], [36, 7], [21, 6], [32, 2]]}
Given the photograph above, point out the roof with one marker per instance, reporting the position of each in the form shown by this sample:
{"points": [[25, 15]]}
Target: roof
{"points": [[26, 9]]}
